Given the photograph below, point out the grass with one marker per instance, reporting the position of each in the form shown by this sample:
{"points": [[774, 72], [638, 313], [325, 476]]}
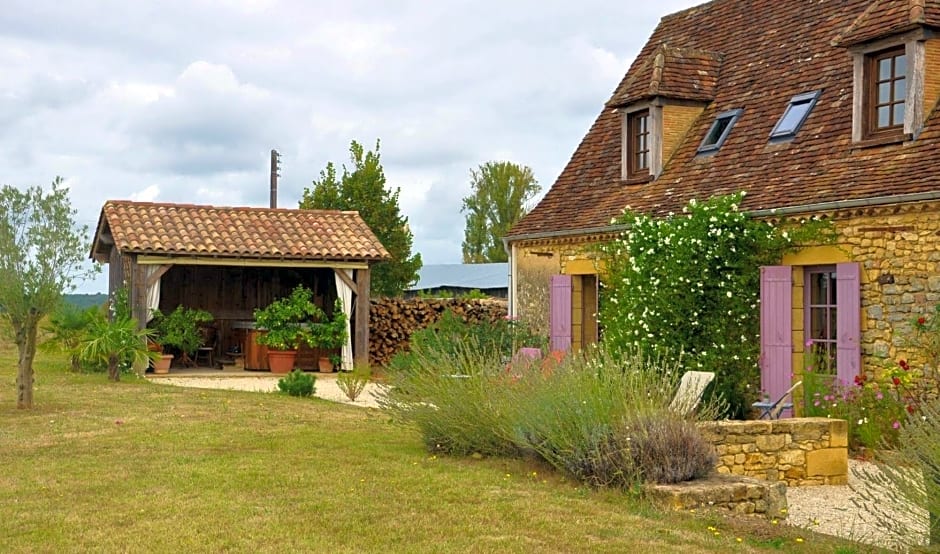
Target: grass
{"points": [[135, 466]]}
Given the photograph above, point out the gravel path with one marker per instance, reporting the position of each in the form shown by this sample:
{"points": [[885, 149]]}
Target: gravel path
{"points": [[862, 511], [326, 387]]}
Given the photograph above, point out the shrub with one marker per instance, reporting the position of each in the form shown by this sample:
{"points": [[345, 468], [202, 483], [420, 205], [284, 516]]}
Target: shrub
{"points": [[569, 413], [352, 383], [667, 449], [297, 383]]}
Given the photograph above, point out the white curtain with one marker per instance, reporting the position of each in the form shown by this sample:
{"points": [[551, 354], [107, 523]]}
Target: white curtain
{"points": [[345, 296], [153, 293]]}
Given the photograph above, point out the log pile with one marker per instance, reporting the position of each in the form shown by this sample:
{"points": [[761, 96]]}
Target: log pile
{"points": [[393, 320]]}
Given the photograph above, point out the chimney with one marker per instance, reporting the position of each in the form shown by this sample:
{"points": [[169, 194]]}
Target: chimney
{"points": [[275, 167]]}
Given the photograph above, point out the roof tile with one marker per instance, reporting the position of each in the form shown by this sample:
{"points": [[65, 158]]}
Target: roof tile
{"points": [[771, 50], [185, 229]]}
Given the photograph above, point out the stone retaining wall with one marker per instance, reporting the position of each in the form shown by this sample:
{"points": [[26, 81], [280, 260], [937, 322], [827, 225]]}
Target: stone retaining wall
{"points": [[797, 451], [723, 493]]}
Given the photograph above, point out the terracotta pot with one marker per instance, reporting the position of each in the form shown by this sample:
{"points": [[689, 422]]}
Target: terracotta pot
{"points": [[162, 366], [281, 361], [325, 365]]}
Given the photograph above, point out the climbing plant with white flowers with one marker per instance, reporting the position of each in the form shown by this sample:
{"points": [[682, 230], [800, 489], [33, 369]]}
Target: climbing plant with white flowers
{"points": [[690, 282]]}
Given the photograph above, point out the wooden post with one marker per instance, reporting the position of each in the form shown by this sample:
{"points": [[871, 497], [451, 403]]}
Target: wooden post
{"points": [[136, 293], [361, 344]]}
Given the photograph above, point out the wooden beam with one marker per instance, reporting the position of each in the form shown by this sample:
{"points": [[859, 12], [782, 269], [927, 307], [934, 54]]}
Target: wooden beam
{"points": [[341, 275], [152, 280], [361, 344], [246, 262]]}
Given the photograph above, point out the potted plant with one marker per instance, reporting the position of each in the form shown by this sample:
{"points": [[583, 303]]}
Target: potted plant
{"points": [[329, 334], [284, 321], [179, 330]]}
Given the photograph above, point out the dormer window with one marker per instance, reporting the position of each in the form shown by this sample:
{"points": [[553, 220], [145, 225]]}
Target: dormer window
{"points": [[886, 77], [794, 116], [719, 131], [638, 144]]}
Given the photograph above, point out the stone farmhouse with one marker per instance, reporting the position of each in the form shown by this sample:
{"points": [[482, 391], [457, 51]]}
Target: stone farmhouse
{"points": [[812, 107]]}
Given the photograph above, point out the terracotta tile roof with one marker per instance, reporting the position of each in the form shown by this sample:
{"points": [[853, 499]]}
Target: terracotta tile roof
{"points": [[771, 51], [185, 229], [680, 73], [886, 17]]}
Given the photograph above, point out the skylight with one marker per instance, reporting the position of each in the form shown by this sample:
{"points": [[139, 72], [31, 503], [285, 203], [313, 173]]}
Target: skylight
{"points": [[795, 115], [719, 131]]}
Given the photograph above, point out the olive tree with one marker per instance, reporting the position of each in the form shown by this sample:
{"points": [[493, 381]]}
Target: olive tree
{"points": [[42, 254]]}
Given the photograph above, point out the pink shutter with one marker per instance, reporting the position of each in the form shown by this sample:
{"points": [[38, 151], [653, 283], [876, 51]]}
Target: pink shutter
{"points": [[559, 313], [776, 334], [848, 322]]}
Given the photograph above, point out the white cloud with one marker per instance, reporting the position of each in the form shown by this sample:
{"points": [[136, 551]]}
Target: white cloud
{"points": [[182, 100], [149, 194]]}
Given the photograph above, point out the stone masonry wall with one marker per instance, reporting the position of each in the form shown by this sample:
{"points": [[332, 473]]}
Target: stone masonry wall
{"points": [[798, 451], [899, 252]]}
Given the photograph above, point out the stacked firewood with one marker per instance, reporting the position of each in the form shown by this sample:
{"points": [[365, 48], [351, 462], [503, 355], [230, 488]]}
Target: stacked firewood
{"points": [[393, 320]]}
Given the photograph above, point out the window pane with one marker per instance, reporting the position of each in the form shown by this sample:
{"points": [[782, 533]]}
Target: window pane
{"points": [[900, 66], [884, 93], [717, 129], [898, 114], [818, 328], [833, 332], [818, 286], [884, 69], [900, 89], [792, 117], [884, 116], [832, 288], [644, 160]]}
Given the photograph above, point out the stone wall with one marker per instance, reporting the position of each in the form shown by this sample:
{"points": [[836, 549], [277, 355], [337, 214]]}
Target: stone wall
{"points": [[797, 451], [723, 493], [898, 249], [900, 255]]}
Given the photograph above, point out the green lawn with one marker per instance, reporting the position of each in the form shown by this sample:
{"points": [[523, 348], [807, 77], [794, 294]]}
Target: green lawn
{"points": [[134, 466]]}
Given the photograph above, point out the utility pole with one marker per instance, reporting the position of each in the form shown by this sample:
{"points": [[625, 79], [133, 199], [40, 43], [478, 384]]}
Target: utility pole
{"points": [[275, 169]]}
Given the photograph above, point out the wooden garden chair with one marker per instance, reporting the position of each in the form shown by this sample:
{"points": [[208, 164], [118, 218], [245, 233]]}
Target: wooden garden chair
{"points": [[689, 393]]}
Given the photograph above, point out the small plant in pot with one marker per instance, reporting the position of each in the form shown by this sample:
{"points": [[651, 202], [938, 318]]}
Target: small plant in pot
{"points": [[329, 334], [284, 321], [178, 330]]}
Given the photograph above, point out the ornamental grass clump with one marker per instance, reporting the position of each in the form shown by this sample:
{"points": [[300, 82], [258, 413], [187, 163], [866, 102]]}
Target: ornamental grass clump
{"points": [[450, 396], [352, 383], [573, 412], [904, 492]]}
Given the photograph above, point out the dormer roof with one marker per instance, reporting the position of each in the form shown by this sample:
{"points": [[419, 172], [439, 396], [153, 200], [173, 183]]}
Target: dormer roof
{"points": [[669, 72], [884, 18]]}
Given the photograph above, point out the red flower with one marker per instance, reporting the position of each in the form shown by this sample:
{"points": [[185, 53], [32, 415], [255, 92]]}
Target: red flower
{"points": [[860, 380], [921, 320], [910, 409], [903, 364], [896, 381]]}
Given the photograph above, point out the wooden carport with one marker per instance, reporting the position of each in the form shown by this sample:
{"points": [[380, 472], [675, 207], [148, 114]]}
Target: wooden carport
{"points": [[230, 261]]}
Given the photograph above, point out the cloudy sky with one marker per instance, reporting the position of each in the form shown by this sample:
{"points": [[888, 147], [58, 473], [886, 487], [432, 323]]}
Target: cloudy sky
{"points": [[182, 101]]}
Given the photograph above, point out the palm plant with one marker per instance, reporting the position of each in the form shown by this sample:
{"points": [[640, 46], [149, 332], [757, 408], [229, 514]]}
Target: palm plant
{"points": [[116, 342], [67, 327]]}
